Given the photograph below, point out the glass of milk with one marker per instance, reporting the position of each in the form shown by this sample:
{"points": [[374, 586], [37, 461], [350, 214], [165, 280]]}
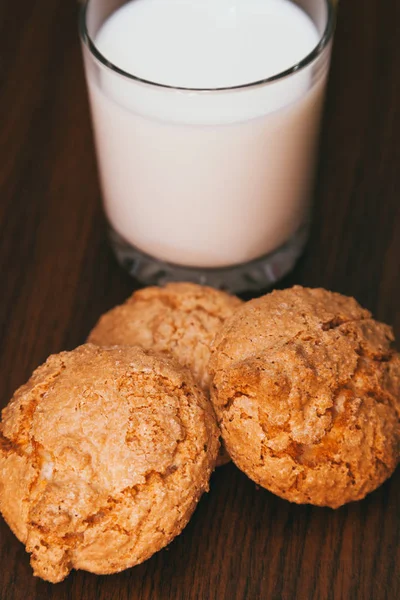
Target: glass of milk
{"points": [[206, 116]]}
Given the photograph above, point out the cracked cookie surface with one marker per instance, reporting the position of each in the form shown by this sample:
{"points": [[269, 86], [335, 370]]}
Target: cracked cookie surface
{"points": [[306, 387], [180, 319], [104, 454]]}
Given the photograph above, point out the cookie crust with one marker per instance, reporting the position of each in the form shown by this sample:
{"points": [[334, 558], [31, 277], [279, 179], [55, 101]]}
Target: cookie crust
{"points": [[306, 387], [180, 319], [104, 454]]}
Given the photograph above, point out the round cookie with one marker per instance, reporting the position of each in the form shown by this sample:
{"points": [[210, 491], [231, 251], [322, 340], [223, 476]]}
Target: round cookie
{"points": [[306, 387], [180, 319], [104, 454]]}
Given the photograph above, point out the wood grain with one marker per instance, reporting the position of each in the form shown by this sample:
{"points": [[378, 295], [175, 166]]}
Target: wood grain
{"points": [[58, 275]]}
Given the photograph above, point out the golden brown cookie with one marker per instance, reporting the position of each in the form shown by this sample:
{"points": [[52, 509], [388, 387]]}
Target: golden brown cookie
{"points": [[306, 387], [180, 319], [104, 454]]}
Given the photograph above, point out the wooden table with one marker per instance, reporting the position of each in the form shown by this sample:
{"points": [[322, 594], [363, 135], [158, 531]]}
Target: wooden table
{"points": [[58, 275]]}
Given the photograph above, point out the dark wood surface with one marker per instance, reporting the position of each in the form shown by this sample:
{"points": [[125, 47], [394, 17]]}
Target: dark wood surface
{"points": [[58, 276]]}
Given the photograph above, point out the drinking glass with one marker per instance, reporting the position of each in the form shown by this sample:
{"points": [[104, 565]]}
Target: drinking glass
{"points": [[213, 185]]}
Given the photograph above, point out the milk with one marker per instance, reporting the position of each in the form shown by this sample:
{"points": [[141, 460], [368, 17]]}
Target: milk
{"points": [[206, 178]]}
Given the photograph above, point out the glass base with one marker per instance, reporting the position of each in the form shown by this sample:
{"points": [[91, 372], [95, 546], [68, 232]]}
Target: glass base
{"points": [[255, 275]]}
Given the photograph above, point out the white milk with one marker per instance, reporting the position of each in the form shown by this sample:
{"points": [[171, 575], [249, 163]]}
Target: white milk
{"points": [[206, 178]]}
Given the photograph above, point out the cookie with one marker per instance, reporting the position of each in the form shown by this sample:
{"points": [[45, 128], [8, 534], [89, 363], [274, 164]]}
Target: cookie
{"points": [[306, 388], [180, 319], [104, 454]]}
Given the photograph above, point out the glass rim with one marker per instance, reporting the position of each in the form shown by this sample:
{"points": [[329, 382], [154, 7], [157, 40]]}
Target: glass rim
{"points": [[302, 64]]}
